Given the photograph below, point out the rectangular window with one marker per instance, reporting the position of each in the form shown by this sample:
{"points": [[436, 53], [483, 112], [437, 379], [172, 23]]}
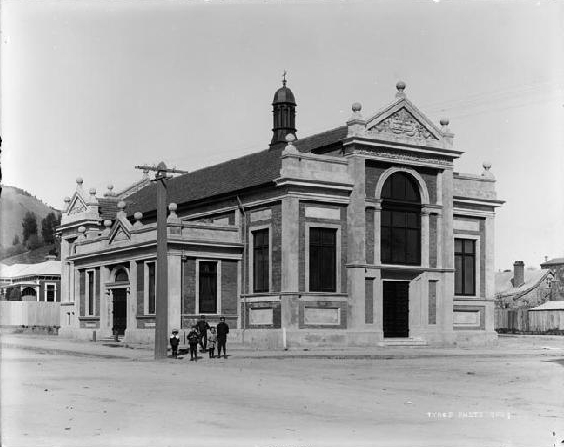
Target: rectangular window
{"points": [[322, 259], [50, 292], [151, 270], [261, 260], [465, 267], [207, 279], [90, 276]]}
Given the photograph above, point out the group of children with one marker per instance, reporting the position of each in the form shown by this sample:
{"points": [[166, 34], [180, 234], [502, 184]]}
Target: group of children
{"points": [[206, 336]]}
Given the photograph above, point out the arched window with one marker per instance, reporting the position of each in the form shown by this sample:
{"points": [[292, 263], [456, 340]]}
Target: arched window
{"points": [[28, 291], [121, 275], [401, 221]]}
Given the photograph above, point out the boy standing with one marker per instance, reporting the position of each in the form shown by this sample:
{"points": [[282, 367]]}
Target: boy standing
{"points": [[193, 342], [203, 327], [222, 331], [212, 338], [174, 341]]}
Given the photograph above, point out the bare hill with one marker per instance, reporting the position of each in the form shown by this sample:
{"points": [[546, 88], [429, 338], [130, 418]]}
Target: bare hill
{"points": [[14, 203]]}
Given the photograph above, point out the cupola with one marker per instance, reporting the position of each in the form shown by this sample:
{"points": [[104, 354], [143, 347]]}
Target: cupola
{"points": [[284, 114]]}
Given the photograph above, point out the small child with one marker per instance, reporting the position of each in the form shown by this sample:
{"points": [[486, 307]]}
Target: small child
{"points": [[212, 338], [193, 338], [174, 341]]}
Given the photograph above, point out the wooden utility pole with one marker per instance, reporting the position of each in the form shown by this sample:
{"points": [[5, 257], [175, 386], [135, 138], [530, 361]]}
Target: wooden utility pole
{"points": [[161, 306]]}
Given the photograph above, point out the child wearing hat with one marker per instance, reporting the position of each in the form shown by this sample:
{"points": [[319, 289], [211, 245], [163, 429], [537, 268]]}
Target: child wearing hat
{"points": [[193, 338], [174, 341]]}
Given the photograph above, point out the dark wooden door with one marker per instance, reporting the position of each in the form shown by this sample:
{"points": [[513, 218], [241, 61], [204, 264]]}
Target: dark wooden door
{"points": [[120, 311], [396, 309]]}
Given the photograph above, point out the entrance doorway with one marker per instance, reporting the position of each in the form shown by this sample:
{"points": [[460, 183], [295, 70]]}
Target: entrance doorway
{"points": [[396, 309], [120, 310]]}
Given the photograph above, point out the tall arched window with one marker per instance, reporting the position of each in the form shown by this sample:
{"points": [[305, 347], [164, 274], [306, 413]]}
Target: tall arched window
{"points": [[401, 221]]}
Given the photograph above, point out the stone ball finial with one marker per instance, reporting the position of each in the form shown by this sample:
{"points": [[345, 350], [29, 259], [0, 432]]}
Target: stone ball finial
{"points": [[356, 107], [138, 215], [400, 86], [81, 230], [110, 187], [67, 199], [92, 191], [172, 207], [79, 181], [487, 173], [107, 223], [290, 138], [444, 121], [121, 205]]}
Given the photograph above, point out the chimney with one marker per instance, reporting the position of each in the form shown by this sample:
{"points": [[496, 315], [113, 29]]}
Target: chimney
{"points": [[518, 273]]}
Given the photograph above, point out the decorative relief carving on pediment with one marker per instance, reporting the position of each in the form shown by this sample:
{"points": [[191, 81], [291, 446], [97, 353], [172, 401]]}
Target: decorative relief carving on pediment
{"points": [[77, 207], [403, 123], [120, 234]]}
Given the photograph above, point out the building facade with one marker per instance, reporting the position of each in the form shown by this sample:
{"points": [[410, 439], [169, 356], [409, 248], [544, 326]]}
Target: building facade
{"points": [[31, 282], [361, 235]]}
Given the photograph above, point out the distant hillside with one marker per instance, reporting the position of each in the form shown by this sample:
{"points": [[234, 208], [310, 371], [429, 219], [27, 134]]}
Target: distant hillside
{"points": [[31, 256], [14, 203]]}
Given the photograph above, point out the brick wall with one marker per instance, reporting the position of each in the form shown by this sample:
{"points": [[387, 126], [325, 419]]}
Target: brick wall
{"points": [[189, 286], [369, 235], [82, 292], [140, 287], [433, 240], [228, 287]]}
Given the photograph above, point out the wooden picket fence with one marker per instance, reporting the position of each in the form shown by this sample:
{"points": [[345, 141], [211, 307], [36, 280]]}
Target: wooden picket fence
{"points": [[512, 320]]}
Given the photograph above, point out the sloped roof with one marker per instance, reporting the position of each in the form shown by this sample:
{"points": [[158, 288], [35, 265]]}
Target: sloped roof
{"points": [[234, 175], [107, 208], [504, 286], [555, 261], [550, 305], [46, 268]]}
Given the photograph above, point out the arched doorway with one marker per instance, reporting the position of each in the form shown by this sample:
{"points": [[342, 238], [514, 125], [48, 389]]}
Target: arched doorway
{"points": [[119, 300], [400, 245]]}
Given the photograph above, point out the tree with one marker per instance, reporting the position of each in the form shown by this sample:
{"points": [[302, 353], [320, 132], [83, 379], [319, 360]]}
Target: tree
{"points": [[29, 225], [48, 226], [33, 242], [16, 240]]}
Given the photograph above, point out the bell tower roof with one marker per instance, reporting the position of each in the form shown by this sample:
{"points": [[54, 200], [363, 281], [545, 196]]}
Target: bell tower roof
{"points": [[284, 114]]}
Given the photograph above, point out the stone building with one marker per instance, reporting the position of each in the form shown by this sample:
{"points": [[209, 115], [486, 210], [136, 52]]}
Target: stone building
{"points": [[359, 235]]}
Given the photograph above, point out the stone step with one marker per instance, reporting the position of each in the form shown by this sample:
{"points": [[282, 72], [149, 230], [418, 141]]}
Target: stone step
{"points": [[404, 342]]}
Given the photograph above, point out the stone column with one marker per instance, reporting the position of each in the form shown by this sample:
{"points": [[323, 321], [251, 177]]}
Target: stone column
{"points": [[377, 232], [290, 268], [356, 240], [424, 237], [132, 297], [105, 303], [175, 290]]}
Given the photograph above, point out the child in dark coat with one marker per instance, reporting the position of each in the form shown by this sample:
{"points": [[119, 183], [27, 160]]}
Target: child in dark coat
{"points": [[193, 338], [174, 341]]}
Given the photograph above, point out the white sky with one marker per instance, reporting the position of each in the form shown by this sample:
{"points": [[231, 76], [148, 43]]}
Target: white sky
{"points": [[92, 88]]}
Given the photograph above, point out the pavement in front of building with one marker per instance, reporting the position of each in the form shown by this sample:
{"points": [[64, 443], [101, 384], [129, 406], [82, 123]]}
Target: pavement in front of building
{"points": [[511, 345]]}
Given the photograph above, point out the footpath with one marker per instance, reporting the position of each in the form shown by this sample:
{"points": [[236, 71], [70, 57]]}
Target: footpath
{"points": [[508, 346]]}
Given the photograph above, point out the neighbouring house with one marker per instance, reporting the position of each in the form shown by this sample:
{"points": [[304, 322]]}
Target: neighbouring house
{"points": [[31, 282], [556, 266], [360, 235], [522, 287]]}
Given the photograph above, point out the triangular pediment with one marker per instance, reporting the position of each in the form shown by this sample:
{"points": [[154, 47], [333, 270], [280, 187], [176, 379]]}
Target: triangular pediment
{"points": [[77, 205], [119, 232], [403, 120]]}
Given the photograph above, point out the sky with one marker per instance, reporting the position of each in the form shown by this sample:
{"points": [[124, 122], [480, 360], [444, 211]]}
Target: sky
{"points": [[92, 88]]}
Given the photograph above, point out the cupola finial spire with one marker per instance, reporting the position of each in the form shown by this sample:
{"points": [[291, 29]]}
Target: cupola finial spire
{"points": [[283, 113]]}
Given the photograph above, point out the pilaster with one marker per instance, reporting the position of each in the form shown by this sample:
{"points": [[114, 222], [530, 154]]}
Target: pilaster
{"points": [[290, 262], [132, 297], [424, 237], [445, 316], [174, 290], [356, 243]]}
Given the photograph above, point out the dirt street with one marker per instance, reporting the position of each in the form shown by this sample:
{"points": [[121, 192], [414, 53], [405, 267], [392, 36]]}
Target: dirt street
{"points": [[512, 398]]}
